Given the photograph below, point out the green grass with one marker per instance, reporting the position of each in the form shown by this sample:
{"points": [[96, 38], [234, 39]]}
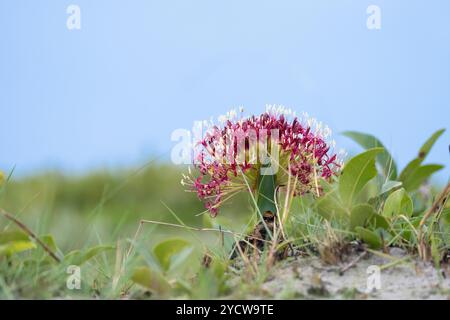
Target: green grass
{"points": [[94, 222], [102, 208]]}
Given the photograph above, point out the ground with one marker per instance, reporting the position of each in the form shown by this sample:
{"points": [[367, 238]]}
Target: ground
{"points": [[310, 278]]}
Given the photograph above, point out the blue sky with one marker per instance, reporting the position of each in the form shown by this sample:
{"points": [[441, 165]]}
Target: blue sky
{"points": [[112, 93]]}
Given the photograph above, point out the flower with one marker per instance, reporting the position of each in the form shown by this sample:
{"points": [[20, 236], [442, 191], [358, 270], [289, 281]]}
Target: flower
{"points": [[234, 153]]}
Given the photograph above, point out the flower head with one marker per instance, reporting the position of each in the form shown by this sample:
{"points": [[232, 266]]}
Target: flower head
{"points": [[235, 152]]}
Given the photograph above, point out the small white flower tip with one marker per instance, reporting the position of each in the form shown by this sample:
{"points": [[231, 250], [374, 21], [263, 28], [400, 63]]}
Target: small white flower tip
{"points": [[222, 119]]}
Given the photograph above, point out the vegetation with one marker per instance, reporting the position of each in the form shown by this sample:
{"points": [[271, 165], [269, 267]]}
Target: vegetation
{"points": [[137, 234]]}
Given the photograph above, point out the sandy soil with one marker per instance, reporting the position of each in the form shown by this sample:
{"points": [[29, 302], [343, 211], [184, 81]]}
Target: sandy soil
{"points": [[309, 278]]}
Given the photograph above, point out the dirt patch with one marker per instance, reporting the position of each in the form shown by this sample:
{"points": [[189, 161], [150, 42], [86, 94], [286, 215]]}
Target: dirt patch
{"points": [[310, 278]]}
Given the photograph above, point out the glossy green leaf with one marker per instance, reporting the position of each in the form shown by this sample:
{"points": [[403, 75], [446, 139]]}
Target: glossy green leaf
{"points": [[369, 237], [167, 250], [357, 173], [384, 158]]}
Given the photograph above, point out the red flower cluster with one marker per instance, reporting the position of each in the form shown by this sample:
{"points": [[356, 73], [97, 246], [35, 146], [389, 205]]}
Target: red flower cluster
{"points": [[232, 155]]}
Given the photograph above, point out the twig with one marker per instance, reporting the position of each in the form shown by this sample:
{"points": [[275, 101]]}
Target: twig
{"points": [[245, 259], [395, 262], [201, 229], [434, 208], [352, 263], [130, 249], [118, 266], [221, 231], [31, 234], [222, 238]]}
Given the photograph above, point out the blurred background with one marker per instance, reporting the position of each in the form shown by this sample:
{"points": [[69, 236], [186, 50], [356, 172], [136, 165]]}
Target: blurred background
{"points": [[87, 114]]}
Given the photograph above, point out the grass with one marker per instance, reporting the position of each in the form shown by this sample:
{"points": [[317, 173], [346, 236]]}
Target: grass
{"points": [[137, 234], [101, 208]]}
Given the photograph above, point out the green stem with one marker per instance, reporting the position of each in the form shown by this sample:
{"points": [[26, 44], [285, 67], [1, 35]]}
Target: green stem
{"points": [[266, 194]]}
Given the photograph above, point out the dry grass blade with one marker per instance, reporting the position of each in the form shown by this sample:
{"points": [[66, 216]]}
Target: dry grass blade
{"points": [[221, 231], [352, 263], [31, 234], [253, 268], [437, 205]]}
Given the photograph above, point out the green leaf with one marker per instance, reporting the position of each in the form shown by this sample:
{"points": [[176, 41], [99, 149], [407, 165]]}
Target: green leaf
{"points": [[387, 188], [2, 178], [428, 145], [423, 153], [49, 241], [410, 169], [419, 175], [390, 185], [446, 215], [72, 256], [207, 285], [41, 254], [399, 202], [369, 237], [357, 173], [180, 258], [408, 230], [266, 194], [384, 159], [8, 236], [360, 215], [94, 251], [380, 222], [13, 247], [219, 268], [183, 286], [207, 221], [329, 206], [150, 280], [168, 249], [78, 257]]}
